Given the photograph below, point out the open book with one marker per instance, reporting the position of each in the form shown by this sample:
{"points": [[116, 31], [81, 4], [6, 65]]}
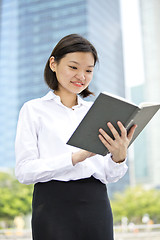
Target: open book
{"points": [[110, 108]]}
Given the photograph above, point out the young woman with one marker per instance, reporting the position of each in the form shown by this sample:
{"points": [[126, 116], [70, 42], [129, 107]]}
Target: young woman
{"points": [[70, 199]]}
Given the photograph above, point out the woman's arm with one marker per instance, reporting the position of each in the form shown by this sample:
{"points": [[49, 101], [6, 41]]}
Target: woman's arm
{"points": [[80, 156], [30, 166]]}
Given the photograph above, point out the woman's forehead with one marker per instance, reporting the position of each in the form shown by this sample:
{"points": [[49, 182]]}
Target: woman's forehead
{"points": [[80, 58]]}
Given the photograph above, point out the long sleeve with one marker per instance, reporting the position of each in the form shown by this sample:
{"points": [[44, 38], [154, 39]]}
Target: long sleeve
{"points": [[105, 169], [30, 168], [114, 171]]}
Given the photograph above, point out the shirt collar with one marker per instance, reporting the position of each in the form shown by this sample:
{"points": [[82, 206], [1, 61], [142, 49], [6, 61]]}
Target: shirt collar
{"points": [[52, 96]]}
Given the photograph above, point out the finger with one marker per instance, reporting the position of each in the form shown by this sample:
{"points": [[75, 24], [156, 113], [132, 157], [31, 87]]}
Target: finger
{"points": [[106, 144], [122, 129], [106, 136], [113, 130], [131, 132]]}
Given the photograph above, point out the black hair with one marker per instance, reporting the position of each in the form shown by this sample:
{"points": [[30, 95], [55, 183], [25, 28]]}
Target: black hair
{"points": [[69, 44]]}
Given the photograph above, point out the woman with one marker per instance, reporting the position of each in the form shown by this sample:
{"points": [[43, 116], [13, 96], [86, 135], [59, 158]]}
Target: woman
{"points": [[70, 197]]}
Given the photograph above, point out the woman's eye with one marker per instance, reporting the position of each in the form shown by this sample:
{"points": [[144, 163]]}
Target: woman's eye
{"points": [[89, 71], [72, 67]]}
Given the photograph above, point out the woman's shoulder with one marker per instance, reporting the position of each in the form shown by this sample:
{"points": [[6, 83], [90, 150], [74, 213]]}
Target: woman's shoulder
{"points": [[31, 103], [39, 100], [36, 103]]}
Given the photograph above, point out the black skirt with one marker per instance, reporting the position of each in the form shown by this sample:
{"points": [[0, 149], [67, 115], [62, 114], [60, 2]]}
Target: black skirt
{"points": [[74, 210]]}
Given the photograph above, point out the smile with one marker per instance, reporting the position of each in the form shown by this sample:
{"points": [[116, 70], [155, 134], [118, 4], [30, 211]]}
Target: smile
{"points": [[78, 84]]}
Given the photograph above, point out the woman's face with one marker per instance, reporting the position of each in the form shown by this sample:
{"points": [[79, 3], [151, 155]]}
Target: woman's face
{"points": [[74, 72]]}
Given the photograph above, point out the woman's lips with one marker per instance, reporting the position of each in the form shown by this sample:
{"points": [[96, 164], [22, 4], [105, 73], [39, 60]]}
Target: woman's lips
{"points": [[77, 84]]}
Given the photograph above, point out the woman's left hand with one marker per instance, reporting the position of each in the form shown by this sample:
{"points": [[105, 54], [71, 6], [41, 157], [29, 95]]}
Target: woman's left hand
{"points": [[118, 146]]}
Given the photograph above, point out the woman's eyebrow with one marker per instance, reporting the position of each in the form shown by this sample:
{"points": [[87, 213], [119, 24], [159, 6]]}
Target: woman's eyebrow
{"points": [[79, 64]]}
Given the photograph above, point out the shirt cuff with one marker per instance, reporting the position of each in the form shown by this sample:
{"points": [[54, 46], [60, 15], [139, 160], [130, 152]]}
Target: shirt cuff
{"points": [[114, 171], [113, 164]]}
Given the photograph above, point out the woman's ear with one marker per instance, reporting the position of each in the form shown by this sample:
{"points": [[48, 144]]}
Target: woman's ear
{"points": [[52, 63]]}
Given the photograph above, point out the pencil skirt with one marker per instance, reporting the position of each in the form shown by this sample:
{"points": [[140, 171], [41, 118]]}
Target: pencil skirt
{"points": [[73, 210]]}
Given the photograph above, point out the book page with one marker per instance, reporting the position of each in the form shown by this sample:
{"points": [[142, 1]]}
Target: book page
{"points": [[147, 104]]}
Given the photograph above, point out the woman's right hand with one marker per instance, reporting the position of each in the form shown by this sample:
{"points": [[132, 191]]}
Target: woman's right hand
{"points": [[80, 156]]}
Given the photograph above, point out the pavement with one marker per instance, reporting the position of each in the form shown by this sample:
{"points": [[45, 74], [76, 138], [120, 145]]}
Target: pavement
{"points": [[118, 236]]}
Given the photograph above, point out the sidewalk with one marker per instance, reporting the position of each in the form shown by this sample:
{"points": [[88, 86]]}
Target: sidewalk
{"points": [[12, 234], [138, 236]]}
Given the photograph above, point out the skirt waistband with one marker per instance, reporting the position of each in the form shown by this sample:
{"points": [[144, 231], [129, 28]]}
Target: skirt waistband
{"points": [[74, 190]]}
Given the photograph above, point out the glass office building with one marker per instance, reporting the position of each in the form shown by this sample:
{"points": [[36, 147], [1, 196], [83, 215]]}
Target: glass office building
{"points": [[41, 25], [8, 80], [104, 30], [141, 161], [147, 160], [29, 31]]}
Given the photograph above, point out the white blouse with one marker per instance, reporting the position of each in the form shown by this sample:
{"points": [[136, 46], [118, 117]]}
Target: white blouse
{"points": [[44, 127]]}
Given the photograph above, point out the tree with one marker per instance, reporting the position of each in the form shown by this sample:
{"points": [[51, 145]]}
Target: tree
{"points": [[15, 198], [133, 203]]}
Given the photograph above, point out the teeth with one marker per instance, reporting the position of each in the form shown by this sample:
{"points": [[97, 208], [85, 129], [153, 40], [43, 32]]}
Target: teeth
{"points": [[79, 83]]}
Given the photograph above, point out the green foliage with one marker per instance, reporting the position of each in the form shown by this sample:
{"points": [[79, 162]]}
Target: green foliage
{"points": [[15, 198], [133, 203]]}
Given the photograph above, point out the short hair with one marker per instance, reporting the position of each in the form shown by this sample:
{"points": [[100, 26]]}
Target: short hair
{"points": [[69, 44]]}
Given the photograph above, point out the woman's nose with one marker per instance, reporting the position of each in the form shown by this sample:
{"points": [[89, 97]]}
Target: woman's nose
{"points": [[80, 76]]}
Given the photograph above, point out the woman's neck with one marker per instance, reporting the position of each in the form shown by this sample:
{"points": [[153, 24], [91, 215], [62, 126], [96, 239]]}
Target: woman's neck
{"points": [[67, 99]]}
